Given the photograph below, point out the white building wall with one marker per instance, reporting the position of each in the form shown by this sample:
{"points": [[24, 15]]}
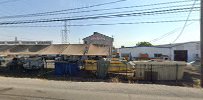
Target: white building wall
{"points": [[135, 52], [192, 48], [124, 51]]}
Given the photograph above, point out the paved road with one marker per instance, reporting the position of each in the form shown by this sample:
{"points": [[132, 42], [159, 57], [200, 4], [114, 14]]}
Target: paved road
{"points": [[35, 89]]}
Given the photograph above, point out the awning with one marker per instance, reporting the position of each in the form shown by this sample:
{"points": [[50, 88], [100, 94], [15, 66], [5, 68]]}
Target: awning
{"points": [[98, 50], [74, 49], [53, 49]]}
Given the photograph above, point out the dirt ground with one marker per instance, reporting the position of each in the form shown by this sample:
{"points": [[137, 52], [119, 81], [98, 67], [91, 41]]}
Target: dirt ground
{"points": [[191, 76]]}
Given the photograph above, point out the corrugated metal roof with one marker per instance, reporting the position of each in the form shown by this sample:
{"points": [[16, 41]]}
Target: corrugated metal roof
{"points": [[177, 44], [165, 45]]}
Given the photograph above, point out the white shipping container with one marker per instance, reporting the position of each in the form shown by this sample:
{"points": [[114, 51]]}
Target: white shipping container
{"points": [[167, 70]]}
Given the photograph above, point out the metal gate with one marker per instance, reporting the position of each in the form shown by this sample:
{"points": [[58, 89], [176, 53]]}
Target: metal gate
{"points": [[180, 55]]}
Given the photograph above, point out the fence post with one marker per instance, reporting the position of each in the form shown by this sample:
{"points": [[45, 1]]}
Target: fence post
{"points": [[145, 71], [151, 74], [126, 70], [176, 72]]}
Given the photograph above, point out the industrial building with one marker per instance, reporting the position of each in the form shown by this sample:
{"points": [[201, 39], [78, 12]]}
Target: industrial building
{"points": [[94, 45], [99, 39], [25, 42], [54, 49], [188, 51]]}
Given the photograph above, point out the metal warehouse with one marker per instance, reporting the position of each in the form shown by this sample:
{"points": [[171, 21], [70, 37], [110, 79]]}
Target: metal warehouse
{"points": [[188, 51]]}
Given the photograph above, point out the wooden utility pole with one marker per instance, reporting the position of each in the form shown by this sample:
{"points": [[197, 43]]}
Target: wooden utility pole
{"points": [[201, 41]]}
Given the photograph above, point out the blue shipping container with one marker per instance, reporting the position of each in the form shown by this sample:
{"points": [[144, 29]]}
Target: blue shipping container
{"points": [[59, 68], [63, 68], [73, 69]]}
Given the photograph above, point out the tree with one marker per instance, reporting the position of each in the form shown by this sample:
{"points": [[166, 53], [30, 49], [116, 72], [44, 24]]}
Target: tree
{"points": [[147, 44]]}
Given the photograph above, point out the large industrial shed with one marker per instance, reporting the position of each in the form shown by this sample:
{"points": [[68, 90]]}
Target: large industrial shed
{"points": [[188, 51], [55, 49], [96, 44]]}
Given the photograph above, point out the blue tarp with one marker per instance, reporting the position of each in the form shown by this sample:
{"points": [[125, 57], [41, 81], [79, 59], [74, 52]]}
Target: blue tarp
{"points": [[64, 68]]}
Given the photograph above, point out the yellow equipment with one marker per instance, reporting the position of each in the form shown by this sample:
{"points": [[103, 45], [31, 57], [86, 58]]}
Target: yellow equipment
{"points": [[115, 66], [90, 65]]}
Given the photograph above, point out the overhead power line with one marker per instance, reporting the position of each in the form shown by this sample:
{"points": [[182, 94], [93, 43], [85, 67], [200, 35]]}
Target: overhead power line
{"points": [[65, 11], [131, 11], [152, 22], [57, 11], [106, 24], [185, 24], [6, 17], [156, 12], [165, 35], [168, 33], [128, 11], [8, 1]]}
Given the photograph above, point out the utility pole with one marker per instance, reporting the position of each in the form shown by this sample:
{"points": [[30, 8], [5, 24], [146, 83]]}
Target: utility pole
{"points": [[201, 41], [79, 40], [64, 33], [16, 39]]}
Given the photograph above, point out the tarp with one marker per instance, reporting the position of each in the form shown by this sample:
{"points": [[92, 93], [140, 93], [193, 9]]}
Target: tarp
{"points": [[98, 50], [53, 49], [37, 49], [20, 49], [4, 49], [74, 49]]}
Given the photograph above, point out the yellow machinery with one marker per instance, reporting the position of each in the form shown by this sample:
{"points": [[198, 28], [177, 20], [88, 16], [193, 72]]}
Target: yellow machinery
{"points": [[90, 65], [115, 66]]}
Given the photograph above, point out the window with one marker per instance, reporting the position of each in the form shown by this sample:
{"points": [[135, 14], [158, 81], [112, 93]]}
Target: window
{"points": [[85, 42], [157, 55]]}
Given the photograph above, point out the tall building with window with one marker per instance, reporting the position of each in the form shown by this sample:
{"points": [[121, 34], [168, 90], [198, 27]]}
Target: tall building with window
{"points": [[99, 39]]}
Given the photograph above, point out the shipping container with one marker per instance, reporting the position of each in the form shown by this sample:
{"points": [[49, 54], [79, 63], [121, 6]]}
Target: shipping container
{"points": [[153, 70]]}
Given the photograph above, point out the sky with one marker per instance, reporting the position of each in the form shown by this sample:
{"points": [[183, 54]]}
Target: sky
{"points": [[124, 35]]}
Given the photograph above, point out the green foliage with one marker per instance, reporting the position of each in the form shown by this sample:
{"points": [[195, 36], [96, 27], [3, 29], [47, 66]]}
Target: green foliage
{"points": [[144, 44]]}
